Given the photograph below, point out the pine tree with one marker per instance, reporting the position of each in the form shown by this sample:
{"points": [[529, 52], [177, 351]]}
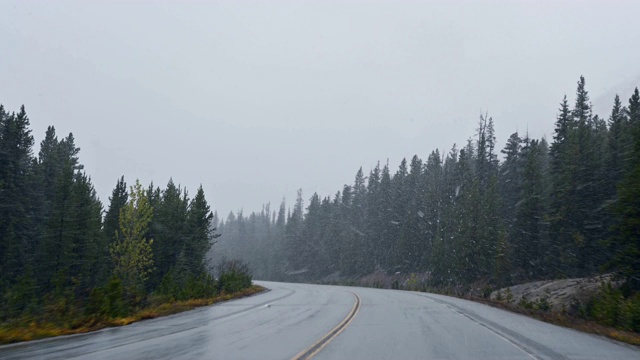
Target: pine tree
{"points": [[444, 249], [324, 249], [277, 251], [626, 234], [411, 241], [362, 264], [618, 145], [582, 110], [169, 228], [383, 249], [528, 244], [433, 202], [564, 163], [202, 234], [510, 180], [374, 218], [489, 221], [295, 242], [55, 259], [308, 250], [132, 252], [564, 124], [16, 212], [588, 214], [400, 201], [118, 199], [87, 263], [466, 239], [346, 248]]}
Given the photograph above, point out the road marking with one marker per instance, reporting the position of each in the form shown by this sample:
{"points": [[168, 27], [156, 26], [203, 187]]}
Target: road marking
{"points": [[495, 332], [528, 346], [314, 349]]}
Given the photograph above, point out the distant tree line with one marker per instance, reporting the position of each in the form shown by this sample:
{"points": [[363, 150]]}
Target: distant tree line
{"points": [[538, 210], [63, 257]]}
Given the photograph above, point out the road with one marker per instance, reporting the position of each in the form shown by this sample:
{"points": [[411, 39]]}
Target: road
{"points": [[362, 323]]}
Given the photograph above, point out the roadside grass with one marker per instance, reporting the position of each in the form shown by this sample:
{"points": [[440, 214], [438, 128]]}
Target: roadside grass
{"points": [[565, 320], [19, 331]]}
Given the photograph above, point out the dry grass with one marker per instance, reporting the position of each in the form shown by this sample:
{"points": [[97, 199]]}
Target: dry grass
{"points": [[568, 321], [12, 333]]}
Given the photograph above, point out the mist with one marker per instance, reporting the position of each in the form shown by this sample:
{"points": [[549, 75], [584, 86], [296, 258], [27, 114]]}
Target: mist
{"points": [[255, 100]]}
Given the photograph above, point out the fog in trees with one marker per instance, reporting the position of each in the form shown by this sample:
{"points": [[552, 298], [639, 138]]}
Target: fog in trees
{"points": [[530, 209]]}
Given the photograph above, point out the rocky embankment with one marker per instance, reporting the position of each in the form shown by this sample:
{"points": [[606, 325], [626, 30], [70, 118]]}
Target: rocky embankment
{"points": [[559, 294]]}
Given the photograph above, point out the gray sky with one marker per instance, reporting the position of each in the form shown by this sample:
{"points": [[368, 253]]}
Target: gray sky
{"points": [[257, 99]]}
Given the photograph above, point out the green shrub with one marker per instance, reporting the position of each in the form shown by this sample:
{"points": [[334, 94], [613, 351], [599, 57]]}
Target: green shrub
{"points": [[525, 303], [412, 283], [542, 304], [610, 307], [115, 305], [17, 299], [486, 291], [97, 304], [234, 276], [631, 313], [186, 286], [395, 285], [605, 307], [508, 295]]}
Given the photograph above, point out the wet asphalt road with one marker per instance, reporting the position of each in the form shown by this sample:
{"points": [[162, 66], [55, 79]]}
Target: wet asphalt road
{"points": [[291, 317]]}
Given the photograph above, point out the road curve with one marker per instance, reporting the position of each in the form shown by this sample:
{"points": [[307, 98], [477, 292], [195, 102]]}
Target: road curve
{"points": [[291, 319]]}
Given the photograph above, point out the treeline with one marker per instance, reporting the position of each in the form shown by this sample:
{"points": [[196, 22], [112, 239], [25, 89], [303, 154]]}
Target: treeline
{"points": [[529, 211], [63, 258]]}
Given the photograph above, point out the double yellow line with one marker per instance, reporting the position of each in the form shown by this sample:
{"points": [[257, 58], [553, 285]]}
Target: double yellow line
{"points": [[314, 349]]}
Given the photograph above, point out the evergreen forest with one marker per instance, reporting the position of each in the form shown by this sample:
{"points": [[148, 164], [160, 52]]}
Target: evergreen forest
{"points": [[65, 260], [530, 209]]}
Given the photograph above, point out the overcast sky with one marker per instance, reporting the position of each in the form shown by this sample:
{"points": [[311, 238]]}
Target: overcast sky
{"points": [[255, 99]]}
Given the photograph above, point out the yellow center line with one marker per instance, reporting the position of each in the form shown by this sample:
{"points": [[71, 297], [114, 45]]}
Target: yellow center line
{"points": [[314, 349]]}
